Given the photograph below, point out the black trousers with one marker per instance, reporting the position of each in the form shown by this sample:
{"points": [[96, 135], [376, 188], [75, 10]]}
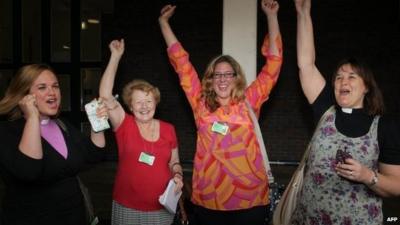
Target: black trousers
{"points": [[253, 216]]}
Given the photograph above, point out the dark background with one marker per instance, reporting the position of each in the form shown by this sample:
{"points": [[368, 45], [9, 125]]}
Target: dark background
{"points": [[366, 28], [342, 28]]}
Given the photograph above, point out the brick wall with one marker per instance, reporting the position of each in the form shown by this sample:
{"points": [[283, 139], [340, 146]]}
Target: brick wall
{"points": [[198, 27], [342, 27]]}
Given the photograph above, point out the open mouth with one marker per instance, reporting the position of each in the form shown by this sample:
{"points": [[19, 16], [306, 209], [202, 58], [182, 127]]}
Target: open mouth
{"points": [[144, 112], [223, 87], [52, 103], [344, 92]]}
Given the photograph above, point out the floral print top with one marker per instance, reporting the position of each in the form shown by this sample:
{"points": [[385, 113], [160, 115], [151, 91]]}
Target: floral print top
{"points": [[327, 198]]}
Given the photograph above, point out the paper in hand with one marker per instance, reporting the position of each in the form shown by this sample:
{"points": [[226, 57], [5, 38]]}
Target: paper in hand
{"points": [[169, 199]]}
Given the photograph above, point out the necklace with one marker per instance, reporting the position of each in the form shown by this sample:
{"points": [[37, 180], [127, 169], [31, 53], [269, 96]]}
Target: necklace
{"points": [[147, 156], [146, 136]]}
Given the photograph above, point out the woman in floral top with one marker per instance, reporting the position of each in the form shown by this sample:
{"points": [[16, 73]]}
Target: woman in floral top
{"points": [[355, 152], [230, 185]]}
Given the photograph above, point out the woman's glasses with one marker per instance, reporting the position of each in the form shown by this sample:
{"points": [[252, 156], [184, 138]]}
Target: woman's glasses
{"points": [[226, 75]]}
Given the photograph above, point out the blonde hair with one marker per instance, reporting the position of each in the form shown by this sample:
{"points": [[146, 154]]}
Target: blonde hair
{"points": [[139, 85], [208, 92], [19, 87]]}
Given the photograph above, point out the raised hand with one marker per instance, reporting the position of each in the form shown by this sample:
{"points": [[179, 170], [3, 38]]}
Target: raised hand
{"points": [[166, 13], [303, 6], [102, 109], [28, 106], [166, 30], [270, 7], [117, 47]]}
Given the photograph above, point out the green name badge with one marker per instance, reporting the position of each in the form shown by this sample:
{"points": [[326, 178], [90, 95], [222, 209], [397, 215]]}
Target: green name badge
{"points": [[147, 158], [220, 128]]}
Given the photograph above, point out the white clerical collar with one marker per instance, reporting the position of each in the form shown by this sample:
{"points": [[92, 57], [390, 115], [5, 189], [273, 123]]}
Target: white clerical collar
{"points": [[44, 121], [347, 110]]}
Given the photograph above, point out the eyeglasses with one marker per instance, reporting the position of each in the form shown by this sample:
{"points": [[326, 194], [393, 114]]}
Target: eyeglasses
{"points": [[227, 75]]}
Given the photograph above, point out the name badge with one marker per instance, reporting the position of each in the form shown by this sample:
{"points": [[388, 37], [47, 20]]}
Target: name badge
{"points": [[220, 128], [147, 158]]}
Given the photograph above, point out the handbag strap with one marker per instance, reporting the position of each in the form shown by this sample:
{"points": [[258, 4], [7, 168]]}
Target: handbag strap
{"points": [[182, 212], [260, 140], [93, 220], [307, 152]]}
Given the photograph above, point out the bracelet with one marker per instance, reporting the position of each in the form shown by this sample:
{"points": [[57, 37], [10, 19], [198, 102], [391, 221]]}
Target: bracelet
{"points": [[178, 173], [114, 106], [174, 164], [374, 179], [114, 99]]}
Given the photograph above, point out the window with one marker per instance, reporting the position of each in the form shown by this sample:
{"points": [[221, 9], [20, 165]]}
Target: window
{"points": [[60, 31], [6, 31], [38, 31], [31, 31], [90, 81]]}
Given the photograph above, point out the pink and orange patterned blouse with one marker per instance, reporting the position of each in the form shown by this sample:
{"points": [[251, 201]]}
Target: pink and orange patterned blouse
{"points": [[228, 169]]}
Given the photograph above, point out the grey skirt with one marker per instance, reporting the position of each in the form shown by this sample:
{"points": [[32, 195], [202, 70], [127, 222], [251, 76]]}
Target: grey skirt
{"points": [[127, 216]]}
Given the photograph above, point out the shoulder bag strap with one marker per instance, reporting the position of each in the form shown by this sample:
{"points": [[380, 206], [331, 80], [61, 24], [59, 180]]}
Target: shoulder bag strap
{"points": [[306, 153], [260, 140]]}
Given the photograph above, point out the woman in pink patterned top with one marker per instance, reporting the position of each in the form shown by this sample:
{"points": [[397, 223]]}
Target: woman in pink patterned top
{"points": [[230, 185]]}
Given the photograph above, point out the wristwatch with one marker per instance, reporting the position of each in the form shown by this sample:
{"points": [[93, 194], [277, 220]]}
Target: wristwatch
{"points": [[374, 179]]}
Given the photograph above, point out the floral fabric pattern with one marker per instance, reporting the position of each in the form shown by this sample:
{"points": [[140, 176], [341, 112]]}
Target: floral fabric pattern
{"points": [[327, 198]]}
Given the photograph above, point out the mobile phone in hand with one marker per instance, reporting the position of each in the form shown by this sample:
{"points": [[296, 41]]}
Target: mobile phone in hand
{"points": [[98, 123], [341, 156]]}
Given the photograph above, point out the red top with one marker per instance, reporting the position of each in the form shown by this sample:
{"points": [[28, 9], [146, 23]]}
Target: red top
{"points": [[138, 185]]}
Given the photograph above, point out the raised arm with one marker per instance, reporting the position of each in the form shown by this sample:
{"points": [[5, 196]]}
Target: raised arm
{"points": [[179, 58], [166, 30], [312, 81], [259, 90], [115, 111], [270, 8]]}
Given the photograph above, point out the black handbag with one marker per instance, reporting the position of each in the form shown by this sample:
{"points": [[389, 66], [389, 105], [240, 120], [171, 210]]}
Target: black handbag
{"points": [[275, 193], [91, 218]]}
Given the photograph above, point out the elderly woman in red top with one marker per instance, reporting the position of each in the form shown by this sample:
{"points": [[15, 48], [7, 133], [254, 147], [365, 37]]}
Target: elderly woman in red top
{"points": [[230, 185], [147, 149]]}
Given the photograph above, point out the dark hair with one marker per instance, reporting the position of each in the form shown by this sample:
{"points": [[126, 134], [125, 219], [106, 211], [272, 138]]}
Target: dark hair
{"points": [[208, 92], [373, 101]]}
